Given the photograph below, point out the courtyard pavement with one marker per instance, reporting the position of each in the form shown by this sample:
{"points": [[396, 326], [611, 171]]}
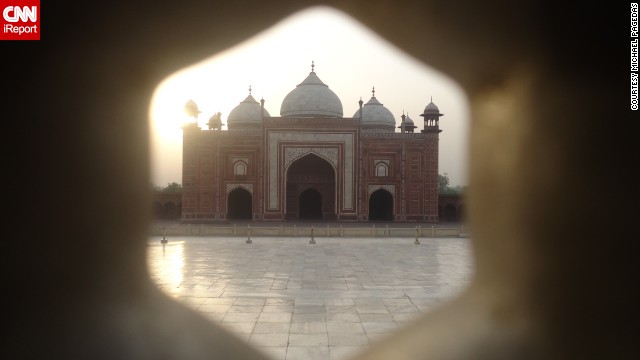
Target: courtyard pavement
{"points": [[296, 301]]}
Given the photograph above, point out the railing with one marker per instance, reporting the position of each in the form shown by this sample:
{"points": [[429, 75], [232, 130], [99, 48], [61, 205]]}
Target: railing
{"points": [[378, 231]]}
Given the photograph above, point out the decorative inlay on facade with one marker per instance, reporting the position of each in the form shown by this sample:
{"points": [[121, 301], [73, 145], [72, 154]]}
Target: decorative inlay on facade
{"points": [[389, 188], [347, 163], [234, 132], [376, 131], [248, 187], [394, 135], [292, 154]]}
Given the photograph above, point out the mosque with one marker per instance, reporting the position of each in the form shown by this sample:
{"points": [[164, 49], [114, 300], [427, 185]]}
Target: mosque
{"points": [[311, 162]]}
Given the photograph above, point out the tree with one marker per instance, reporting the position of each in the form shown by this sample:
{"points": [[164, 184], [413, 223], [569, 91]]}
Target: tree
{"points": [[173, 187], [443, 184]]}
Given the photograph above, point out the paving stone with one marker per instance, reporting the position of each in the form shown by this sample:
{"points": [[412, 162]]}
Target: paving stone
{"points": [[375, 317], [342, 318], [308, 317], [329, 300], [345, 352], [351, 328], [238, 327], [272, 328], [379, 327], [308, 340], [275, 317], [344, 339], [308, 328], [372, 309], [274, 352], [241, 317], [269, 339], [307, 353]]}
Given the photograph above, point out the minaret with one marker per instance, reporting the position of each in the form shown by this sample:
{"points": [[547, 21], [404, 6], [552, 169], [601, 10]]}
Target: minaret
{"points": [[407, 125], [431, 117]]}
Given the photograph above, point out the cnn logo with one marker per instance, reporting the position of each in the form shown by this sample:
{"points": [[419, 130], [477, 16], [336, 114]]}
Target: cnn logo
{"points": [[20, 20], [15, 13]]}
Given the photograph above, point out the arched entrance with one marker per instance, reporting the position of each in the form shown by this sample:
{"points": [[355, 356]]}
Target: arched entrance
{"points": [[310, 205], [449, 213], [169, 211], [311, 189], [381, 206], [239, 204]]}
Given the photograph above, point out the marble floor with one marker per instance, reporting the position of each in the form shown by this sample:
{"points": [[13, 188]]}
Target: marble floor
{"points": [[295, 300]]}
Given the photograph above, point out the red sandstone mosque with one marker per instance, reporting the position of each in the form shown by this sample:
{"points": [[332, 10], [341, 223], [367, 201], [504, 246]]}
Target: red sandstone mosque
{"points": [[311, 162]]}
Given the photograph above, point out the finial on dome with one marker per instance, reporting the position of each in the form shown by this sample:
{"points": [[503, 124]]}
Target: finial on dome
{"points": [[373, 91], [431, 98], [249, 89], [312, 65]]}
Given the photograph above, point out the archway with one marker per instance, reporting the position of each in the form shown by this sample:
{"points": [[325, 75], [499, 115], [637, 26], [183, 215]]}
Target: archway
{"points": [[314, 177], [450, 213], [169, 210], [239, 204], [381, 206], [310, 205]]}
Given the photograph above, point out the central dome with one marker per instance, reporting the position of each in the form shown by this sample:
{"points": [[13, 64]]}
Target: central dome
{"points": [[311, 98]]}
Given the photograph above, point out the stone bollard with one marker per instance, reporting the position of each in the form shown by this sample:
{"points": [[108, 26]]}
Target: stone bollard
{"points": [[249, 234], [417, 232], [312, 241], [164, 240]]}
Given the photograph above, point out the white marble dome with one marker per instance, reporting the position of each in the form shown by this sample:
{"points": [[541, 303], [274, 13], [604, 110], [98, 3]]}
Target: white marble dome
{"points": [[311, 98], [375, 114], [248, 112]]}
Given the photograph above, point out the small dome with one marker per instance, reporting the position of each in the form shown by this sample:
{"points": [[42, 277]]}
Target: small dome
{"points": [[431, 107], [249, 112], [375, 114], [311, 98], [408, 120]]}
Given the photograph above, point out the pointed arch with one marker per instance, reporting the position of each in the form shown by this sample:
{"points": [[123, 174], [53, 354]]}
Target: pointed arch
{"points": [[239, 204], [310, 171], [381, 205]]}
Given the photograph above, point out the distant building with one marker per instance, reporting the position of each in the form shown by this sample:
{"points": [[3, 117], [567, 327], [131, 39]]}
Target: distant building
{"points": [[311, 162]]}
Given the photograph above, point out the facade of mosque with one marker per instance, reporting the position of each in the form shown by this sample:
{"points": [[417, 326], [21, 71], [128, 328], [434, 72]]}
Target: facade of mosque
{"points": [[311, 162]]}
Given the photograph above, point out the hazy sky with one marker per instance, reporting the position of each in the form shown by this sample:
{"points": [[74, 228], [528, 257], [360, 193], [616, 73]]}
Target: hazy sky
{"points": [[348, 57]]}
